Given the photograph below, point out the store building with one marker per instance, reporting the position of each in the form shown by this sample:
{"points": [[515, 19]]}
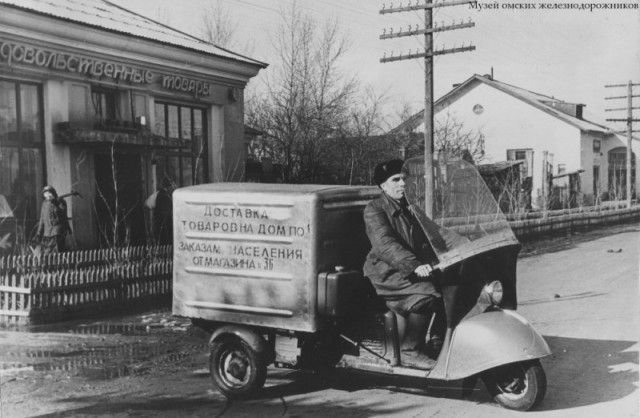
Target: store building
{"points": [[102, 101]]}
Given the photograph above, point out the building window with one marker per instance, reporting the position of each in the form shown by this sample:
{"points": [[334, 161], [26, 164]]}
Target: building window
{"points": [[105, 105], [596, 145], [185, 129], [618, 173], [111, 109], [562, 168], [21, 158], [478, 109], [526, 155]]}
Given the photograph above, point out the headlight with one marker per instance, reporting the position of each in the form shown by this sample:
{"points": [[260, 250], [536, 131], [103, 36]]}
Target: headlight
{"points": [[494, 291]]}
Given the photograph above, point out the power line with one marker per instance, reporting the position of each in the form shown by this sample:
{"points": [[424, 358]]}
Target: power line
{"points": [[427, 54], [629, 120], [258, 6]]}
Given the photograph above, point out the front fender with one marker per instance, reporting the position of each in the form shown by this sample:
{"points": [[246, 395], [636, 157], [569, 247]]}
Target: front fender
{"points": [[488, 340], [248, 335]]}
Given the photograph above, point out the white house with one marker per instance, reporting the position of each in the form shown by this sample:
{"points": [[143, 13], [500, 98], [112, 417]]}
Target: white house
{"points": [[517, 124]]}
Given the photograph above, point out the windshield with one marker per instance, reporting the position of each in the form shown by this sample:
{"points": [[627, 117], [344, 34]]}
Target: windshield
{"points": [[466, 217]]}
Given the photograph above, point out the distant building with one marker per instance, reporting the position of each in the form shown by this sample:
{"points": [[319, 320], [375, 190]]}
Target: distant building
{"points": [[549, 135], [503, 180], [109, 103]]}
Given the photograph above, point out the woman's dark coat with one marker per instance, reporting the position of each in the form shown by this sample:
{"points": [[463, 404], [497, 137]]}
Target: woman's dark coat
{"points": [[53, 218]]}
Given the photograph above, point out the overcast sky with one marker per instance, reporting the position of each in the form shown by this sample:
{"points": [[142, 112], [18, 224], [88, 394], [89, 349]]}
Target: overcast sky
{"points": [[568, 54]]}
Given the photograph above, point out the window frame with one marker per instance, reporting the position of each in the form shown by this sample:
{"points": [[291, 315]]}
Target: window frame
{"points": [[181, 153], [526, 169], [562, 168], [596, 148], [617, 170], [112, 103], [21, 144], [39, 179]]}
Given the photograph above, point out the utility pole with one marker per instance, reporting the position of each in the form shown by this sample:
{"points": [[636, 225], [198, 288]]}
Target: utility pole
{"points": [[428, 54], [629, 120]]}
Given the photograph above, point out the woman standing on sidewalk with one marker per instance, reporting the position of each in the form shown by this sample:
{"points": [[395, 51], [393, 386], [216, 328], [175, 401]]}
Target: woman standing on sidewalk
{"points": [[53, 225]]}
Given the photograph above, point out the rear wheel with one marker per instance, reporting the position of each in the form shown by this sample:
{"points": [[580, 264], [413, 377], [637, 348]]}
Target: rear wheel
{"points": [[518, 386], [237, 370]]}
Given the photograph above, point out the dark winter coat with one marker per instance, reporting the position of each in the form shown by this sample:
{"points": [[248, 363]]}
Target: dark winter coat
{"points": [[399, 246], [163, 217], [53, 218]]}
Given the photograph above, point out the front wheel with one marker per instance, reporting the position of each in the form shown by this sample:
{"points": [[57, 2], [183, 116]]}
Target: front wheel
{"points": [[518, 386], [237, 370]]}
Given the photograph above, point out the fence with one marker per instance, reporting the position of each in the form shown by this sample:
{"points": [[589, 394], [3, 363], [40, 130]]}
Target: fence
{"points": [[532, 225], [56, 286], [59, 286]]}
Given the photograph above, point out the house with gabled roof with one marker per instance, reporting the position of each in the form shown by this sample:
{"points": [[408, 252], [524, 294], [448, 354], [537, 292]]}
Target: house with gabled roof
{"points": [[109, 103], [549, 135]]}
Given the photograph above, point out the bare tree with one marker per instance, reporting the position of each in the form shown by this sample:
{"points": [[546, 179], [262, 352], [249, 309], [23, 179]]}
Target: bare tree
{"points": [[218, 27], [353, 155], [365, 120], [163, 15], [307, 95], [452, 138]]}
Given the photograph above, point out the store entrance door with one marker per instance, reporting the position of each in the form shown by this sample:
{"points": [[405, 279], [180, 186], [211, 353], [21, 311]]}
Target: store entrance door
{"points": [[119, 199]]}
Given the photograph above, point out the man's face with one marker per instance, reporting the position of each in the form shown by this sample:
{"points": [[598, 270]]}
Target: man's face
{"points": [[394, 186]]}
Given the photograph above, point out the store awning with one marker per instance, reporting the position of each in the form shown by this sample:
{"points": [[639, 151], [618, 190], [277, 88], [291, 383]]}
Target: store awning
{"points": [[66, 133]]}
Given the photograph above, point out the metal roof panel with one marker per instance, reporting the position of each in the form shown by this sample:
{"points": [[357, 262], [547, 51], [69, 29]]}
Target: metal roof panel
{"points": [[109, 16]]}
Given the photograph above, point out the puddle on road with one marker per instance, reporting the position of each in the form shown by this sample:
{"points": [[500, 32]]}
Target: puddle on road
{"points": [[108, 327], [159, 341], [106, 362]]}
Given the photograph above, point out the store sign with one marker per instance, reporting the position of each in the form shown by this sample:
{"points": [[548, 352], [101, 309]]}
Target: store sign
{"points": [[41, 57], [187, 85], [45, 58]]}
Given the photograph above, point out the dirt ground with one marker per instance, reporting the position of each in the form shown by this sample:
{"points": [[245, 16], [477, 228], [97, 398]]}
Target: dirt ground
{"points": [[153, 364], [53, 368]]}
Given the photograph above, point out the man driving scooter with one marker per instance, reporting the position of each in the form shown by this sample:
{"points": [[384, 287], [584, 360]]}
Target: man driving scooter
{"points": [[399, 267]]}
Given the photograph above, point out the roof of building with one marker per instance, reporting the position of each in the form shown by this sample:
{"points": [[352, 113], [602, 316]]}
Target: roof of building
{"points": [[568, 173], [537, 100], [496, 167], [623, 136], [109, 16]]}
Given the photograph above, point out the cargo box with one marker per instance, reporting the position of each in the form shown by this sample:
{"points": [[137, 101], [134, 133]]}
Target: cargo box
{"points": [[251, 253]]}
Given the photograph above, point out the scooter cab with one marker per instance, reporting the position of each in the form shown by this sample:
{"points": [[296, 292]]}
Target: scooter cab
{"points": [[274, 272]]}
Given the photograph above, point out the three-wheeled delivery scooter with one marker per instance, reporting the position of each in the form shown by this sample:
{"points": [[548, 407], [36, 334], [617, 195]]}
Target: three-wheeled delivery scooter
{"points": [[274, 272]]}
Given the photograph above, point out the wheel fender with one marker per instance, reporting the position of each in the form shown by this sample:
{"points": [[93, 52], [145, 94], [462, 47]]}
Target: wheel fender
{"points": [[488, 340], [248, 335]]}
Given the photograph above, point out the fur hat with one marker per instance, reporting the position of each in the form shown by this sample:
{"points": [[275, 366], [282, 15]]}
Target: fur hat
{"points": [[387, 169]]}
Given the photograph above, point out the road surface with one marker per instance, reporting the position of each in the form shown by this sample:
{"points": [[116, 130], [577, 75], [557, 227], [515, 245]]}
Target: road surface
{"points": [[580, 292]]}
